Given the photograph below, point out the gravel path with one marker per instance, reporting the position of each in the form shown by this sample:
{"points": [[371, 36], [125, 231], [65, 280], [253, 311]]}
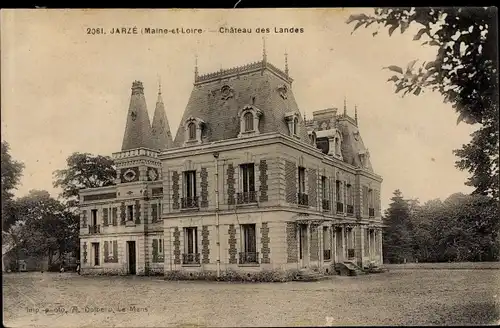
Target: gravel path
{"points": [[401, 297]]}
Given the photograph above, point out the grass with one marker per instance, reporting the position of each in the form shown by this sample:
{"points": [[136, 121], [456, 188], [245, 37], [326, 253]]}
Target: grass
{"points": [[397, 297]]}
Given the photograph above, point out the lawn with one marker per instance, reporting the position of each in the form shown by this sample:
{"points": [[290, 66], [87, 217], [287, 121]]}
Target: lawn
{"points": [[397, 297]]}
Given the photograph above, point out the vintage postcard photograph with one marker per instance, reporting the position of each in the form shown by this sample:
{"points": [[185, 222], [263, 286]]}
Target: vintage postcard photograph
{"points": [[250, 167]]}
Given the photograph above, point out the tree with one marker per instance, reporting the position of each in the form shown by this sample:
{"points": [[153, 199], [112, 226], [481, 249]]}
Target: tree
{"points": [[11, 175], [465, 72], [48, 228], [398, 239], [84, 171]]}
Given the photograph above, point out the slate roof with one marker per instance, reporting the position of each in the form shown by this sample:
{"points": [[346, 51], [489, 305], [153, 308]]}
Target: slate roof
{"points": [[138, 128], [162, 136], [253, 84], [352, 143]]}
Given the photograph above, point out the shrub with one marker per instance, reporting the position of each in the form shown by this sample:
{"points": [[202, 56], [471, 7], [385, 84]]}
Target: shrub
{"points": [[231, 275]]}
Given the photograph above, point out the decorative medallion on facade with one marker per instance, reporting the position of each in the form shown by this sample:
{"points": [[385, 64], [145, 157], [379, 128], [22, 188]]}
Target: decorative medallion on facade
{"points": [[226, 92], [152, 174], [133, 115], [283, 90], [129, 175]]}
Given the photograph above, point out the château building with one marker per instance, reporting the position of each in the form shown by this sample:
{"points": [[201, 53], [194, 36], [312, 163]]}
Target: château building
{"points": [[247, 183]]}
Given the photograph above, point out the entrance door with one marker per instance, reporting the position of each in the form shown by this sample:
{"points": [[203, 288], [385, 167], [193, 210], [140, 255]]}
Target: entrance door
{"points": [[131, 257]]}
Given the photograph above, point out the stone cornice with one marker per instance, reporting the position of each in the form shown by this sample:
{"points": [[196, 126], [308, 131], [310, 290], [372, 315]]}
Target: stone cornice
{"points": [[98, 190], [261, 140]]}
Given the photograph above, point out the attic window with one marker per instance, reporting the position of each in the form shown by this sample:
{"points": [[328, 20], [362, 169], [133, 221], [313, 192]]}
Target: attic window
{"points": [[193, 129], [248, 117], [249, 121], [293, 123]]}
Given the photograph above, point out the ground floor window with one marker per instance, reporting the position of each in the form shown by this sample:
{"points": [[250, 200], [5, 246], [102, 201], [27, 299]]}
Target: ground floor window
{"points": [[157, 250], [327, 252], [191, 255], [350, 242], [96, 257], [248, 244]]}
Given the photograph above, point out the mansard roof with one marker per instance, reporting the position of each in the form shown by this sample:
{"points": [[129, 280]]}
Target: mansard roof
{"points": [[217, 98], [138, 128], [162, 136]]}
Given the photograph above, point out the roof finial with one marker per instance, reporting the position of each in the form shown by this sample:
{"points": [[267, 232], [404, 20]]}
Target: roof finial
{"points": [[356, 114], [159, 84], [286, 63], [195, 66], [345, 106], [264, 55]]}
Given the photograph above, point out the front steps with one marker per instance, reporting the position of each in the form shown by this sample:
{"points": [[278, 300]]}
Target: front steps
{"points": [[348, 268]]}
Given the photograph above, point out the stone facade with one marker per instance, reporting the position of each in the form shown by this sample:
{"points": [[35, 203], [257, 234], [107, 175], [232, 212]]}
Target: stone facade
{"points": [[196, 202]]}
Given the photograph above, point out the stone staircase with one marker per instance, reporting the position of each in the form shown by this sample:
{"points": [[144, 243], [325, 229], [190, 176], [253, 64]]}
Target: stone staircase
{"points": [[348, 268]]}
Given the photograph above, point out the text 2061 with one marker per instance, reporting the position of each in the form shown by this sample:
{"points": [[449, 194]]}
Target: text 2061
{"points": [[97, 30]]}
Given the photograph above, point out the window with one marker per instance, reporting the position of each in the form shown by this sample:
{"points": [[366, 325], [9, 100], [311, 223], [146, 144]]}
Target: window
{"points": [[302, 196], [190, 199], [327, 253], [155, 212], [95, 249], [249, 244], [324, 193], [191, 255], [324, 187], [371, 203], [295, 125], [157, 250], [302, 180], [130, 212], [247, 184], [115, 216], [350, 243], [248, 117], [365, 200], [338, 197], [93, 217], [350, 199], [192, 131]]}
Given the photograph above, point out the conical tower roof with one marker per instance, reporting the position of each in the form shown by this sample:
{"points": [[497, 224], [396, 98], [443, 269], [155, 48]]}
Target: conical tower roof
{"points": [[161, 129], [138, 129]]}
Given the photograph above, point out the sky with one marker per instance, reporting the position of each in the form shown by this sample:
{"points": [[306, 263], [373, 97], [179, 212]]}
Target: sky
{"points": [[67, 91]]}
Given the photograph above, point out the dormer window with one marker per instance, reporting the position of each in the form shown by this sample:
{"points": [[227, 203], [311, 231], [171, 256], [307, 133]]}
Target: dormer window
{"points": [[193, 130], [249, 121], [293, 123], [248, 117]]}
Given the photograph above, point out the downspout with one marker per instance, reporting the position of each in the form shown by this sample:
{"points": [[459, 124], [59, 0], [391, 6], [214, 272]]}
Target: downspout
{"points": [[216, 157]]}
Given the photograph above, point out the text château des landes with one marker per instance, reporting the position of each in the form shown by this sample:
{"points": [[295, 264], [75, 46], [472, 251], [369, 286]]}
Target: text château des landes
{"points": [[291, 30]]}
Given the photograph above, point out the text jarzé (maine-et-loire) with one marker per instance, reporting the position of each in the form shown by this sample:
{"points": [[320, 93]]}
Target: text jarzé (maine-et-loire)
{"points": [[276, 30], [133, 30]]}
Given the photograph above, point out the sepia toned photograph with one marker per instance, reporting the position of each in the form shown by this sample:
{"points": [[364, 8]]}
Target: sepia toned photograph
{"points": [[250, 167]]}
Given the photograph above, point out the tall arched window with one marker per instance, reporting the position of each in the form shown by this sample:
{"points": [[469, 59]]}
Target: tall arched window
{"points": [[248, 117], [192, 131]]}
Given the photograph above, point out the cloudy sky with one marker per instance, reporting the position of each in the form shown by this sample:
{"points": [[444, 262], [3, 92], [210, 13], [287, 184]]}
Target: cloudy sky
{"points": [[64, 90]]}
